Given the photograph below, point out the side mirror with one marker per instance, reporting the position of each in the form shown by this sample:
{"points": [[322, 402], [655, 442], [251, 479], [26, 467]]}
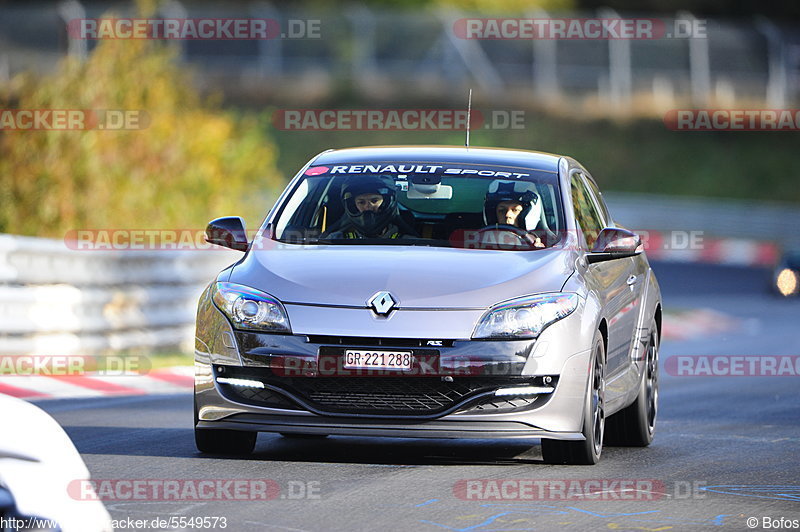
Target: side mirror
{"points": [[614, 243], [228, 232]]}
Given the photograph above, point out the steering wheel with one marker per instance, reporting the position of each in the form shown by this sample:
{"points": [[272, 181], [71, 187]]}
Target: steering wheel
{"points": [[523, 236]]}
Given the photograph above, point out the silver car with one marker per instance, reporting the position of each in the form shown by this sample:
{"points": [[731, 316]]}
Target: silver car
{"points": [[434, 292]]}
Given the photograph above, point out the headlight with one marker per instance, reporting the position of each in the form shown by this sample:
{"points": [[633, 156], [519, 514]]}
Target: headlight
{"points": [[251, 309], [526, 317]]}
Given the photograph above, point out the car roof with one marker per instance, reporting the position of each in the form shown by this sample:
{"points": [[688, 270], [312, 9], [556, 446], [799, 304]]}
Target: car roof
{"points": [[535, 160]]}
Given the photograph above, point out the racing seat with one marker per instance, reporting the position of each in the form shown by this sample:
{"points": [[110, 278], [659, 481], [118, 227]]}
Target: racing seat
{"points": [[541, 228], [471, 221]]}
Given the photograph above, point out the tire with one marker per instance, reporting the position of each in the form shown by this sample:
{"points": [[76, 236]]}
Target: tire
{"points": [[635, 425], [224, 441], [585, 452], [296, 436]]}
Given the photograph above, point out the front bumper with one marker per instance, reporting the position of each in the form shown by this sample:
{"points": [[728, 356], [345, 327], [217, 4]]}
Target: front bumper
{"points": [[450, 395], [441, 428], [456, 399]]}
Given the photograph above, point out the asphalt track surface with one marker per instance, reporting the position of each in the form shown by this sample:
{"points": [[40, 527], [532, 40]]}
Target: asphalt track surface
{"points": [[726, 449]]}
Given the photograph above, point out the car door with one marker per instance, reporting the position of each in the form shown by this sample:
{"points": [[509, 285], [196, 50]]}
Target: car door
{"points": [[615, 281], [637, 280]]}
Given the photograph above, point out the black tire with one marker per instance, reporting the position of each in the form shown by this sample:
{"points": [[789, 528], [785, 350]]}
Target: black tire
{"points": [[224, 441], [585, 452], [296, 436], [635, 425]]}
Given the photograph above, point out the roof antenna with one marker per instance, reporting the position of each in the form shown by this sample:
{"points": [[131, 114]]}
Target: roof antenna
{"points": [[469, 112]]}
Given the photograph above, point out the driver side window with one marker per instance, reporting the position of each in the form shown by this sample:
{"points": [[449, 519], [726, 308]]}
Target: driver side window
{"points": [[585, 211]]}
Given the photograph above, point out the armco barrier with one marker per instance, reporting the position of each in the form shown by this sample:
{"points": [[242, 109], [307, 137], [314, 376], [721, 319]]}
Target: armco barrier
{"points": [[722, 218], [56, 301]]}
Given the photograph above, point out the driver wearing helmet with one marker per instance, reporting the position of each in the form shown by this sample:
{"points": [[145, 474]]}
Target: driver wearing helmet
{"points": [[371, 211], [514, 203]]}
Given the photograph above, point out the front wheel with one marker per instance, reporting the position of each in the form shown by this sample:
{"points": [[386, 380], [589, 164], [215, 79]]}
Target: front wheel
{"points": [[585, 452], [224, 441], [635, 425]]}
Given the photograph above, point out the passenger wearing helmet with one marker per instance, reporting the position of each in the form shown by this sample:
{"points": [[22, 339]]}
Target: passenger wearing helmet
{"points": [[371, 211], [514, 203]]}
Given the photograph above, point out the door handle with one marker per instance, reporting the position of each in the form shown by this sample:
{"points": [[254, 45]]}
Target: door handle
{"points": [[632, 280]]}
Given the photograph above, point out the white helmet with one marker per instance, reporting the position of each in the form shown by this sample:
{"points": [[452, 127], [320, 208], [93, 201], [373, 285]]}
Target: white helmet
{"points": [[522, 192]]}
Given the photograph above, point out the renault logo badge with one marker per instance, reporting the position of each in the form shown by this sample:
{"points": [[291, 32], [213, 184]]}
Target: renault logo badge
{"points": [[382, 303]]}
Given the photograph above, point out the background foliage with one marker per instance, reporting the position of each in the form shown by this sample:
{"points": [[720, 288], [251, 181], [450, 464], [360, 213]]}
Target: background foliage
{"points": [[193, 162], [637, 155]]}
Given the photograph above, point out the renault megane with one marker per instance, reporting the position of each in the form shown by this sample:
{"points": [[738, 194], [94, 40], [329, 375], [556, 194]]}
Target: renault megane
{"points": [[437, 292]]}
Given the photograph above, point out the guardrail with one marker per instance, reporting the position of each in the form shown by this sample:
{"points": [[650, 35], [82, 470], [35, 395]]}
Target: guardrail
{"points": [[747, 220], [59, 301]]}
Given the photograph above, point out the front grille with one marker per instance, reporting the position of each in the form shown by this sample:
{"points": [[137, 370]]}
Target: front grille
{"points": [[379, 342], [389, 395], [377, 395]]}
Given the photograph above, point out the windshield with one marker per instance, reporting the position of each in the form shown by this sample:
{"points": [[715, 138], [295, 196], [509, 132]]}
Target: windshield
{"points": [[428, 204]]}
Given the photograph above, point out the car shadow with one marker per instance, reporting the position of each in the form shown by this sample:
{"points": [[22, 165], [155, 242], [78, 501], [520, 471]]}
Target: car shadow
{"points": [[179, 443], [397, 451]]}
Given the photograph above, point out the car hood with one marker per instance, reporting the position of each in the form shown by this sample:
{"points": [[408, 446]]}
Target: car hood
{"points": [[417, 277]]}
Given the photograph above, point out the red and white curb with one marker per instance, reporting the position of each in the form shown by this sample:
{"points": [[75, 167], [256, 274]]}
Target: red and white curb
{"points": [[179, 379], [728, 251]]}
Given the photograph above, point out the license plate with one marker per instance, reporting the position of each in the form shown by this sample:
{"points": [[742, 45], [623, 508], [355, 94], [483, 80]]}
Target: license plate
{"points": [[368, 359]]}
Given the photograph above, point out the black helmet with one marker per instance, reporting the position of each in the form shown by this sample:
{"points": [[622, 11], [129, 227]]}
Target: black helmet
{"points": [[369, 223], [522, 192]]}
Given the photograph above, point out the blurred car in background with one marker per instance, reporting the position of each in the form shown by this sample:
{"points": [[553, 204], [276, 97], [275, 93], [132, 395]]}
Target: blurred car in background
{"points": [[786, 276], [39, 470]]}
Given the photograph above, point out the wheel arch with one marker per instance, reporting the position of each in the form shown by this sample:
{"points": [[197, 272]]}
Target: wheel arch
{"points": [[603, 328], [657, 316]]}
